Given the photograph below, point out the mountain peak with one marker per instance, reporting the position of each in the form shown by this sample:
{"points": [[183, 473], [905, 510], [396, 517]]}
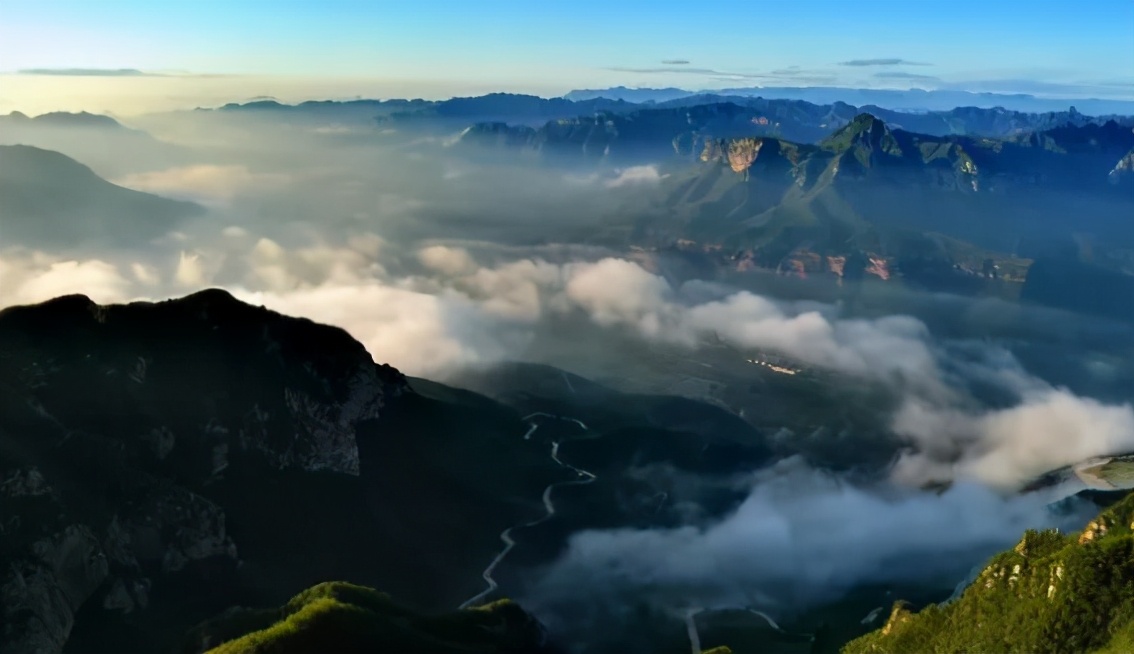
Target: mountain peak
{"points": [[866, 136], [862, 128]]}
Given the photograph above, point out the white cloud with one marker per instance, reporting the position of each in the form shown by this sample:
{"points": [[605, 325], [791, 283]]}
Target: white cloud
{"points": [[35, 279], [952, 437], [419, 333], [447, 260], [800, 537], [636, 175], [616, 291], [144, 274], [619, 292], [1008, 447], [190, 272]]}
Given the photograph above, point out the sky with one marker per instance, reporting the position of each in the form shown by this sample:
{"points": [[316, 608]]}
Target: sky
{"points": [[452, 47]]}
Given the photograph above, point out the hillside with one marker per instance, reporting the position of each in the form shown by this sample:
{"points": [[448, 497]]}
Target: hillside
{"points": [[342, 617], [47, 198], [1051, 594]]}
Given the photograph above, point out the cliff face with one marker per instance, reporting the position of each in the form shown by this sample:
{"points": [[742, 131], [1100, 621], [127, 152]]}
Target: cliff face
{"points": [[115, 421], [739, 154]]}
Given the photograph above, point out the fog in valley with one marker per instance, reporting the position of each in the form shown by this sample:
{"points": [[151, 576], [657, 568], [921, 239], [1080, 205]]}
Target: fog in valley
{"points": [[443, 261]]}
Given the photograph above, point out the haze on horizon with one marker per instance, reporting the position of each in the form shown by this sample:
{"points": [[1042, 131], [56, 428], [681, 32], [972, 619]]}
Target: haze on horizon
{"points": [[127, 57]]}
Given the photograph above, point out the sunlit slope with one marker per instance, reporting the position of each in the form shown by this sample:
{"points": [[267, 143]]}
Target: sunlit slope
{"points": [[342, 617], [1052, 593]]}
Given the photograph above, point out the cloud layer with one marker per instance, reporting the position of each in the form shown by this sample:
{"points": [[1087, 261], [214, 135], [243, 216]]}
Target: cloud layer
{"points": [[799, 539], [86, 72], [447, 310]]}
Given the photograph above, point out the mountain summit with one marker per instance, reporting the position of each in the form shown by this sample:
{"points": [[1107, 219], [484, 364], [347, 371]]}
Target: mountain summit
{"points": [[866, 137]]}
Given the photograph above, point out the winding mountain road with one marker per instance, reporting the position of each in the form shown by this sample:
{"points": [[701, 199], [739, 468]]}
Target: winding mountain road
{"points": [[585, 477]]}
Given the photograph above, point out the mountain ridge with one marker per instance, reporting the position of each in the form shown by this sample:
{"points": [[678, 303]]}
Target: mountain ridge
{"points": [[910, 98]]}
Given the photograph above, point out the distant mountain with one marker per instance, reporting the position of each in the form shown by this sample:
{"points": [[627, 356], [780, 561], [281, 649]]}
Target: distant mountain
{"points": [[952, 212], [318, 111], [996, 122], [639, 96], [47, 198], [912, 99], [647, 134], [637, 136], [655, 123], [102, 142], [510, 108], [82, 119], [1050, 594]]}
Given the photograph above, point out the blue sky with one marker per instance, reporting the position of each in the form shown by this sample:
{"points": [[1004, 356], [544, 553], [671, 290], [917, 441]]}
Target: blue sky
{"points": [[1039, 46]]}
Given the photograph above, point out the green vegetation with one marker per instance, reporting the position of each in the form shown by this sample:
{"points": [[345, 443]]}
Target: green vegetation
{"points": [[342, 617], [1050, 594]]}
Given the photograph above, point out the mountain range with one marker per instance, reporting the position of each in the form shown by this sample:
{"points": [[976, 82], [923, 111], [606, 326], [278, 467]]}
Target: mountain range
{"points": [[643, 135], [789, 118], [906, 100], [956, 212]]}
